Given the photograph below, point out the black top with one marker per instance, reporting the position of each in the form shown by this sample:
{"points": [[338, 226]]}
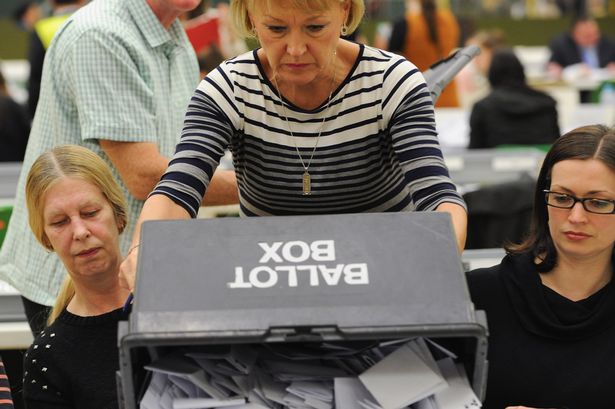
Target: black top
{"points": [[72, 363], [513, 115], [14, 130], [565, 51], [545, 350]]}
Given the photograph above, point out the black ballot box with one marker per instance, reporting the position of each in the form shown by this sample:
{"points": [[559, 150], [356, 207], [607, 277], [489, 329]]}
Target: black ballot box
{"points": [[298, 279]]}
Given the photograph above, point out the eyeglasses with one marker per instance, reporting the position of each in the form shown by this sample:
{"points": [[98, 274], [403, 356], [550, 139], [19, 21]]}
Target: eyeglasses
{"points": [[566, 201]]}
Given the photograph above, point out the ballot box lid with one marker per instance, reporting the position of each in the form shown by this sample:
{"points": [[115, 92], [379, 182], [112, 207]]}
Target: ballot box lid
{"points": [[343, 271]]}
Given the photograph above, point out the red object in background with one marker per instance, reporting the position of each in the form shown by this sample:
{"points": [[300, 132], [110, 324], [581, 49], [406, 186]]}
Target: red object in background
{"points": [[203, 32]]}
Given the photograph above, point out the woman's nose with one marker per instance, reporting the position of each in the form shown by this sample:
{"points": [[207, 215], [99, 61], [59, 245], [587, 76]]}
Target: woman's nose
{"points": [[296, 44], [80, 230], [577, 214]]}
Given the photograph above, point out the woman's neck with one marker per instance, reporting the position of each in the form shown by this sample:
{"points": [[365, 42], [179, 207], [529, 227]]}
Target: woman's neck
{"points": [[578, 279], [97, 297]]}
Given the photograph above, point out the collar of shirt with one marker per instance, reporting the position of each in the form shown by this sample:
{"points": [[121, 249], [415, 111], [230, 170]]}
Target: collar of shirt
{"points": [[151, 28]]}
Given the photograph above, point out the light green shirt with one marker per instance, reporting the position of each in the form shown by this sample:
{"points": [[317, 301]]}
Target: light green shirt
{"points": [[112, 72]]}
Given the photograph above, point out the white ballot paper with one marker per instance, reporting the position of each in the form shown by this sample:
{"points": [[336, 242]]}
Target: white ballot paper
{"points": [[392, 374], [459, 394], [350, 393], [402, 378], [181, 366], [205, 403], [157, 387]]}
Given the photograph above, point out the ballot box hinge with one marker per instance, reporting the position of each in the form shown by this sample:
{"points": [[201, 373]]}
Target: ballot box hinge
{"points": [[305, 333]]}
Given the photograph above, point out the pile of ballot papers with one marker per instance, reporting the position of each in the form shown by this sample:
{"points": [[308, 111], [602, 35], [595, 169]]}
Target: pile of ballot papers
{"points": [[316, 375]]}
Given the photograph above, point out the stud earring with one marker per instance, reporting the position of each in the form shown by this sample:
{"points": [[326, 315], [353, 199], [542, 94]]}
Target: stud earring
{"points": [[344, 30]]}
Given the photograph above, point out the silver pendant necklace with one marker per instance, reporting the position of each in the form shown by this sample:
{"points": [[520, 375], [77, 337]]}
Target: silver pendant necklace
{"points": [[306, 178]]}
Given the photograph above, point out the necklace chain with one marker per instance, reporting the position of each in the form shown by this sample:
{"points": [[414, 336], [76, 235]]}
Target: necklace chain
{"points": [[307, 188]]}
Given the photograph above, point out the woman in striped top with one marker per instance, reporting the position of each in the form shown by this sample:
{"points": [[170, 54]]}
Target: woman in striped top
{"points": [[316, 125]]}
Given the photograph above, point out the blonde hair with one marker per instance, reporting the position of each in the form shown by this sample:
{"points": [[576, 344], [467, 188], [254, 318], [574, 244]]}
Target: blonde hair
{"points": [[62, 162], [241, 18], [67, 292]]}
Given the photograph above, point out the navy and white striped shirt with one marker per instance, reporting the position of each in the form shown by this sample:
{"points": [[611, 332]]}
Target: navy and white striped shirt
{"points": [[378, 150]]}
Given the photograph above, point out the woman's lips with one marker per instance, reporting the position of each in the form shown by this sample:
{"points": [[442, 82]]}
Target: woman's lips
{"points": [[89, 252], [296, 66], [576, 236]]}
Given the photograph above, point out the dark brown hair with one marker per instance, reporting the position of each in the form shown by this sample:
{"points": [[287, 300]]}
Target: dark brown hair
{"points": [[587, 142]]}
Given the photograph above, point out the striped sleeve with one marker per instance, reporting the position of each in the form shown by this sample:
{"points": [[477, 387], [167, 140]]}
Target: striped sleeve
{"points": [[408, 108], [205, 136]]}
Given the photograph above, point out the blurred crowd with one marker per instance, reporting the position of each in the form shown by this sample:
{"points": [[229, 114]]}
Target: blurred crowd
{"points": [[424, 31]]}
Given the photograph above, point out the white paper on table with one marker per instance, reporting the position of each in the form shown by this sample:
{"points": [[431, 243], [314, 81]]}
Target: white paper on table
{"points": [[401, 379]]}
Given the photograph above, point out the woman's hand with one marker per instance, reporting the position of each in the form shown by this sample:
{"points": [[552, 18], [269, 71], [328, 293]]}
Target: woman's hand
{"points": [[156, 207], [128, 268]]}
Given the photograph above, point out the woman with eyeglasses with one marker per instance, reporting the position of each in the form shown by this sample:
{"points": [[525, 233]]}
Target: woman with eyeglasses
{"points": [[550, 304]]}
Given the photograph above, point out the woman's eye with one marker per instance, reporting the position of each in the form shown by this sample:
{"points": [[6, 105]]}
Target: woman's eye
{"points": [[315, 28], [276, 29], [562, 198], [59, 222], [90, 214], [599, 204]]}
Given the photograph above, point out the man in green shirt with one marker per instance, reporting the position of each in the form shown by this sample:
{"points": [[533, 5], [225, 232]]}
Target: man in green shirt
{"points": [[117, 79]]}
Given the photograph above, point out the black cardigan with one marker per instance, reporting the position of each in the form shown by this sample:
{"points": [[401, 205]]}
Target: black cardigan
{"points": [[544, 351]]}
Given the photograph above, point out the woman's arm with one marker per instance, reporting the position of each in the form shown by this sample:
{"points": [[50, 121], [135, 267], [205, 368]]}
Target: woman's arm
{"points": [[156, 207], [459, 217]]}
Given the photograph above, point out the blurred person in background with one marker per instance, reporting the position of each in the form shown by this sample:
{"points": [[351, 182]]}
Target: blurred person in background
{"points": [[585, 45], [513, 112], [27, 14], [209, 27], [572, 7], [472, 81], [424, 36], [40, 39], [14, 127]]}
